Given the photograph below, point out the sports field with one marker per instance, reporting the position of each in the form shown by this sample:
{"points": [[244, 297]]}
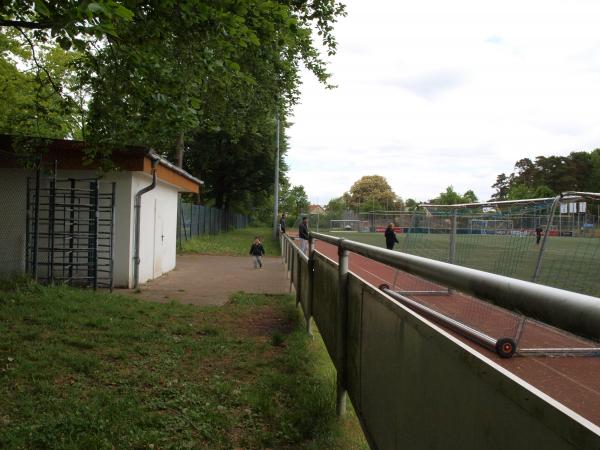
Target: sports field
{"points": [[568, 262]]}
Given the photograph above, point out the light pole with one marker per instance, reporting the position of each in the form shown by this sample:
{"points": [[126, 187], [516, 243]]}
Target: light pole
{"points": [[276, 194]]}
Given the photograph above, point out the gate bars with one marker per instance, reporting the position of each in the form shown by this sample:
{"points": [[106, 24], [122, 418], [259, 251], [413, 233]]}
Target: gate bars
{"points": [[69, 235]]}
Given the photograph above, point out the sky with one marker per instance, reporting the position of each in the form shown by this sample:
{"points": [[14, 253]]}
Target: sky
{"points": [[434, 93]]}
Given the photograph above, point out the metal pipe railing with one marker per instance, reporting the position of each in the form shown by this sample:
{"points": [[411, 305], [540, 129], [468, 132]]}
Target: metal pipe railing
{"points": [[505, 347], [577, 313]]}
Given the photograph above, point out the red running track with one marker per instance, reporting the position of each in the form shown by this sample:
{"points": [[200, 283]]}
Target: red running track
{"points": [[573, 381]]}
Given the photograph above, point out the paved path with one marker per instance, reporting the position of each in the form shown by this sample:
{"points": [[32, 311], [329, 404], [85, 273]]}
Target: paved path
{"points": [[211, 280]]}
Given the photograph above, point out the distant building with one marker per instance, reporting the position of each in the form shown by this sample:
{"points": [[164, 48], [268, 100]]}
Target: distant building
{"points": [[316, 209], [81, 226]]}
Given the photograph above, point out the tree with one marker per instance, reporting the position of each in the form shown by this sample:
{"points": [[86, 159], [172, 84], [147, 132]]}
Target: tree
{"points": [[335, 207], [294, 201], [36, 102], [411, 204], [373, 192], [198, 81], [550, 175], [501, 186], [451, 197]]}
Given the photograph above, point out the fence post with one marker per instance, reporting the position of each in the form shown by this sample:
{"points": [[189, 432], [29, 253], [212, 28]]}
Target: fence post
{"points": [[311, 280], [452, 252], [292, 261], [298, 285], [341, 331], [538, 264], [197, 207], [289, 258]]}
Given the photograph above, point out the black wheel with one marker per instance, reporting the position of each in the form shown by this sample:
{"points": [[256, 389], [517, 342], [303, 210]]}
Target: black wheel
{"points": [[506, 347]]}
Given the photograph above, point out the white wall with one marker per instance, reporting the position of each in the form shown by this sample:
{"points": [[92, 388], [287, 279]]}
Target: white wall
{"points": [[158, 227], [158, 223]]}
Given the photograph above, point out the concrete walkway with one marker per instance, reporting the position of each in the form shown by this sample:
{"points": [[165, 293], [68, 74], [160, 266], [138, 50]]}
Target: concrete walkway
{"points": [[211, 280]]}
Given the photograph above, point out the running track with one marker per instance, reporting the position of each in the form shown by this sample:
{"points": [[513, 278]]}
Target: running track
{"points": [[573, 381]]}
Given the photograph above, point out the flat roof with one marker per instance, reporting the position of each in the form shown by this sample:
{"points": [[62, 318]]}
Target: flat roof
{"points": [[71, 155]]}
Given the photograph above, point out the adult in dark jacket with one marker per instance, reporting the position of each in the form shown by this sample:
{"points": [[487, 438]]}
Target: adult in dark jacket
{"points": [[303, 234], [282, 224], [538, 234], [390, 237]]}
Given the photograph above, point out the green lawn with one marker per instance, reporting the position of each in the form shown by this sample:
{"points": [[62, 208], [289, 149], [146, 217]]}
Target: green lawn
{"points": [[235, 243], [569, 262], [80, 370]]}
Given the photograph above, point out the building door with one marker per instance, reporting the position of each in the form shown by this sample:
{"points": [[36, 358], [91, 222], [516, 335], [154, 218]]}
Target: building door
{"points": [[159, 241]]}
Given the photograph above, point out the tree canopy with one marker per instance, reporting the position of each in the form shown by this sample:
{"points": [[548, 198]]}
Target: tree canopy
{"points": [[372, 192], [451, 197], [200, 81], [550, 175]]}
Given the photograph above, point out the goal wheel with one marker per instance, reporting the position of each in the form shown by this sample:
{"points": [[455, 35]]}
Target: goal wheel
{"points": [[506, 347]]}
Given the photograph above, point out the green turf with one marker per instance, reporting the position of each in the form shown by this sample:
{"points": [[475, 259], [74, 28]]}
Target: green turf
{"points": [[234, 243], [80, 370], [571, 263]]}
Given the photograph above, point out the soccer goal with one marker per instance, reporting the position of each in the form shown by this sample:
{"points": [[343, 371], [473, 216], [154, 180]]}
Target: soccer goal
{"points": [[491, 226], [344, 225]]}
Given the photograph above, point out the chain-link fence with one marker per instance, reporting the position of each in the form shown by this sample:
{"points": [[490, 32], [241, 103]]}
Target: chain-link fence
{"points": [[196, 220], [551, 241], [13, 204]]}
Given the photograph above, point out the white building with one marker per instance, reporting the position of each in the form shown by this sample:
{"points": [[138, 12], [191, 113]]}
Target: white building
{"points": [[137, 168]]}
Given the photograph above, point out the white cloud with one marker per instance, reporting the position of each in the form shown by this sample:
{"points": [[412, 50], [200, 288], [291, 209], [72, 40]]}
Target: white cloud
{"points": [[436, 93]]}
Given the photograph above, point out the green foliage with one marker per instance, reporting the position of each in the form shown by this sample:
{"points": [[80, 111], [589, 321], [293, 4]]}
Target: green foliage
{"points": [[38, 101], [84, 370], [550, 175], [236, 243], [372, 193], [336, 207], [411, 204], [451, 197], [294, 201], [196, 80]]}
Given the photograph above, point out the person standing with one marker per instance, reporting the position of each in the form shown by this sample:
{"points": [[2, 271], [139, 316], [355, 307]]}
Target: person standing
{"points": [[303, 234], [282, 223], [390, 237], [257, 251], [538, 234]]}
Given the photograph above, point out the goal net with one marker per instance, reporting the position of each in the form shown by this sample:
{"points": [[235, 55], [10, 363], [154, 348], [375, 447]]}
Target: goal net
{"points": [[491, 226], [344, 225]]}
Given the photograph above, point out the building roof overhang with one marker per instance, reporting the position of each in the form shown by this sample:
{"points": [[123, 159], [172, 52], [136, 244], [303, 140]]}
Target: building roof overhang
{"points": [[74, 155]]}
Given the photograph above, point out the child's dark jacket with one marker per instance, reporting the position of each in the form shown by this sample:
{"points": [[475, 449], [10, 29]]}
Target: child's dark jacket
{"points": [[257, 250]]}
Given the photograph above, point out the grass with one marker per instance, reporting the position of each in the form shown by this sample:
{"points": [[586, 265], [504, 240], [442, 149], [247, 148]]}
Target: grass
{"points": [[571, 263], [234, 243], [85, 370]]}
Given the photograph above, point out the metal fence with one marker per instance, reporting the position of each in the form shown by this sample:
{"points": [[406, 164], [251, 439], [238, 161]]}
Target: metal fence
{"points": [[13, 204], [197, 220], [501, 238], [413, 385]]}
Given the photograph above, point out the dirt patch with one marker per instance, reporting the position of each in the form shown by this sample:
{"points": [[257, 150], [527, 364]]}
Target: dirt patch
{"points": [[211, 280], [266, 323]]}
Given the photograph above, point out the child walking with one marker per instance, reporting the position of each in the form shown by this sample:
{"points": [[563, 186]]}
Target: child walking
{"points": [[257, 251]]}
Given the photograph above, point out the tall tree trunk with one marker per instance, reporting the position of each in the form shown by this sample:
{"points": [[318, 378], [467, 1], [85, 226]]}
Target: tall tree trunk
{"points": [[179, 149]]}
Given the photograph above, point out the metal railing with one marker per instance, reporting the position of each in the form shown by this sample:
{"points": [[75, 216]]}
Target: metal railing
{"points": [[412, 384]]}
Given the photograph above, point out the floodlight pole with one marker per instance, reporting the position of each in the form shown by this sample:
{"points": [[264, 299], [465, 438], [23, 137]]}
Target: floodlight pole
{"points": [[276, 193]]}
